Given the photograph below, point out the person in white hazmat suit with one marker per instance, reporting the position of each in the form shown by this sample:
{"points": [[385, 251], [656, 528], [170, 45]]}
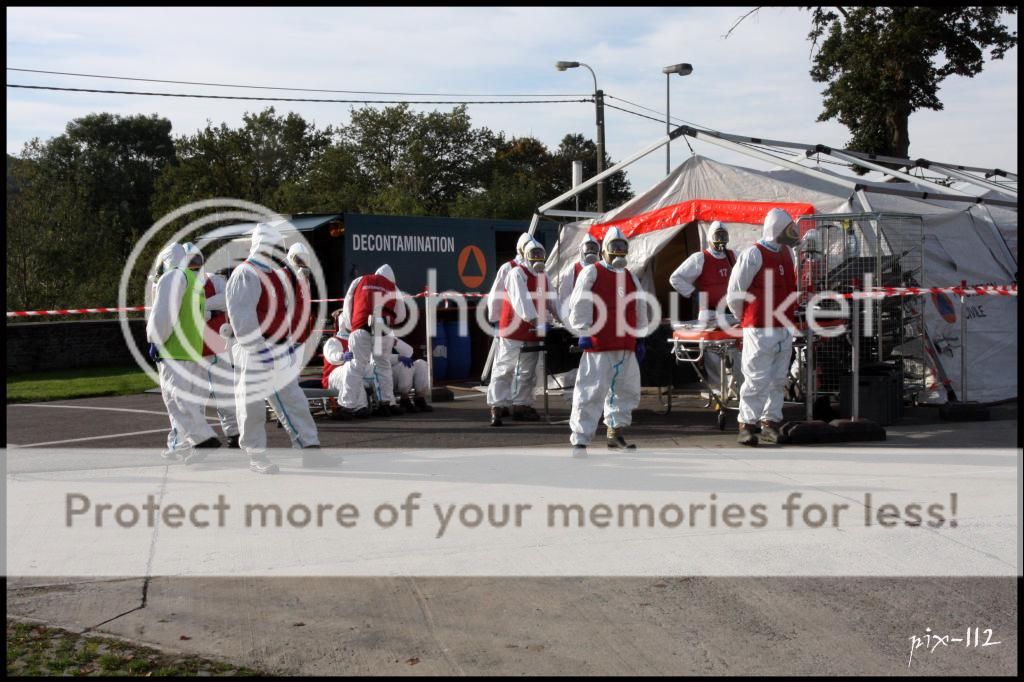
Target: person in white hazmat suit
{"points": [[260, 307], [410, 375], [766, 276], [706, 273], [609, 373], [496, 299], [216, 349], [373, 306], [175, 333], [590, 253], [526, 312]]}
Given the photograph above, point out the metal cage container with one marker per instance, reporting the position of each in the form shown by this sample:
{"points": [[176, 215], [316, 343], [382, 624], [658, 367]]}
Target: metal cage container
{"points": [[855, 252]]}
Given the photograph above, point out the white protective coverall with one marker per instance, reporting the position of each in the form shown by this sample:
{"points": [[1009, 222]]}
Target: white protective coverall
{"points": [[608, 380], [264, 370], [766, 351], [683, 280], [369, 358], [568, 282], [497, 293], [218, 367], [408, 378], [183, 383], [514, 372]]}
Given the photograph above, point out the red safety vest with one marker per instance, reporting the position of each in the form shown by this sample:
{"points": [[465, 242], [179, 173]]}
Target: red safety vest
{"points": [[714, 277], [328, 367], [213, 342], [779, 267], [300, 330], [576, 270], [373, 289], [511, 326], [271, 309], [612, 288]]}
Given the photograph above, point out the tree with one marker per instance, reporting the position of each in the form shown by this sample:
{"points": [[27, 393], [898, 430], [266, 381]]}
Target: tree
{"points": [[882, 64], [253, 163], [526, 175], [617, 189], [81, 204], [415, 163]]}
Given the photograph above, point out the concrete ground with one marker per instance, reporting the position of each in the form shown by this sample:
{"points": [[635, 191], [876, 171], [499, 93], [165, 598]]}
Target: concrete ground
{"points": [[561, 626]]}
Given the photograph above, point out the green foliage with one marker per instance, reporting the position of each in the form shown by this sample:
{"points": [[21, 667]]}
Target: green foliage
{"points": [[77, 383], [78, 204], [884, 63]]}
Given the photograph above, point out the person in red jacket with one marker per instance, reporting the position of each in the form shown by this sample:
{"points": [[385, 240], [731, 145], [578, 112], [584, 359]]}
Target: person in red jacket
{"points": [[766, 274], [707, 272]]}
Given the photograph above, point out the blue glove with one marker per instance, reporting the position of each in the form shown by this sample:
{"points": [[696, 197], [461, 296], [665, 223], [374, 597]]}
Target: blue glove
{"points": [[641, 350], [154, 354], [347, 356], [586, 343], [407, 361], [265, 356]]}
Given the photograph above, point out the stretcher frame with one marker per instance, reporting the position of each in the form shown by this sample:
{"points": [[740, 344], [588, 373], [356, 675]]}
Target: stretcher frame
{"points": [[692, 351]]}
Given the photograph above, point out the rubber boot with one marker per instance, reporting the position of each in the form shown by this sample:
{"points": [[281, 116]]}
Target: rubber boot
{"points": [[496, 416], [746, 435], [617, 442]]}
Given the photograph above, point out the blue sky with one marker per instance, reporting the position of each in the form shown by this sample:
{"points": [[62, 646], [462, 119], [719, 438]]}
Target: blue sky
{"points": [[754, 83]]}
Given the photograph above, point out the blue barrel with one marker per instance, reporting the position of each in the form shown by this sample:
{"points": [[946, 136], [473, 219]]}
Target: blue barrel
{"points": [[459, 351], [440, 345]]}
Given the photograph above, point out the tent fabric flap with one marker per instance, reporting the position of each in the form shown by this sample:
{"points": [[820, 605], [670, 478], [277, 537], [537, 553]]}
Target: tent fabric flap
{"points": [[706, 210]]}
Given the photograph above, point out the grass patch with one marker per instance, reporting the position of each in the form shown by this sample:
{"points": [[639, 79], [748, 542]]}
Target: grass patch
{"points": [[40, 650], [76, 383]]}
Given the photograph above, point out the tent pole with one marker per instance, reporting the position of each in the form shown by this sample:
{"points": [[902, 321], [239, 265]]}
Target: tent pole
{"points": [[601, 176], [984, 184], [728, 144], [920, 182]]}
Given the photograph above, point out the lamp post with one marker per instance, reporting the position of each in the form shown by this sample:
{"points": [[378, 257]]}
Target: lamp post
{"points": [[682, 70], [599, 105]]}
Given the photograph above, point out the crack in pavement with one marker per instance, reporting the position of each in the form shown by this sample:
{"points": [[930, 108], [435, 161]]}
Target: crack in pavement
{"points": [[149, 563]]}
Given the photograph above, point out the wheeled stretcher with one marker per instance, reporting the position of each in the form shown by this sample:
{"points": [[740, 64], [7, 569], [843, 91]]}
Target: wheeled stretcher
{"points": [[691, 341]]}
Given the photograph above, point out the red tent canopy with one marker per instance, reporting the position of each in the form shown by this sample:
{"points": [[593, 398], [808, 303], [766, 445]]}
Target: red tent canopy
{"points": [[707, 210]]}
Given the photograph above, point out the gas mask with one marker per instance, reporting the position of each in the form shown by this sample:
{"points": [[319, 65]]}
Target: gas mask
{"points": [[615, 254], [789, 236], [589, 252], [536, 258], [720, 240]]}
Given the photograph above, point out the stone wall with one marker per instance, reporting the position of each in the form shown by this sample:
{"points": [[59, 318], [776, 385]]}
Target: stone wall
{"points": [[39, 346]]}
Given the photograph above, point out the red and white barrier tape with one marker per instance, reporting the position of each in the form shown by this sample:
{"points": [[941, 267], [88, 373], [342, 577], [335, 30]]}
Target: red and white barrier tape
{"points": [[75, 311], [876, 292], [892, 292]]}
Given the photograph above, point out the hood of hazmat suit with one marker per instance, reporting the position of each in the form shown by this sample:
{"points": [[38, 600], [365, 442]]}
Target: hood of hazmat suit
{"points": [[386, 272], [779, 228], [267, 246], [614, 247], [590, 250]]}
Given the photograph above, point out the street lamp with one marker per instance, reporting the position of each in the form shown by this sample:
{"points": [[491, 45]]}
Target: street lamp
{"points": [[599, 105], [682, 70]]}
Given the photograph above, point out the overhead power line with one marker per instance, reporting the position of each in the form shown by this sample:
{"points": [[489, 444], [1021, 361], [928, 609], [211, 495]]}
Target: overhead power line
{"points": [[270, 87], [655, 111], [299, 99]]}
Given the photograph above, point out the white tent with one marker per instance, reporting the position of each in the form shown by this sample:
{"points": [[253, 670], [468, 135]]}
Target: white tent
{"points": [[963, 241]]}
